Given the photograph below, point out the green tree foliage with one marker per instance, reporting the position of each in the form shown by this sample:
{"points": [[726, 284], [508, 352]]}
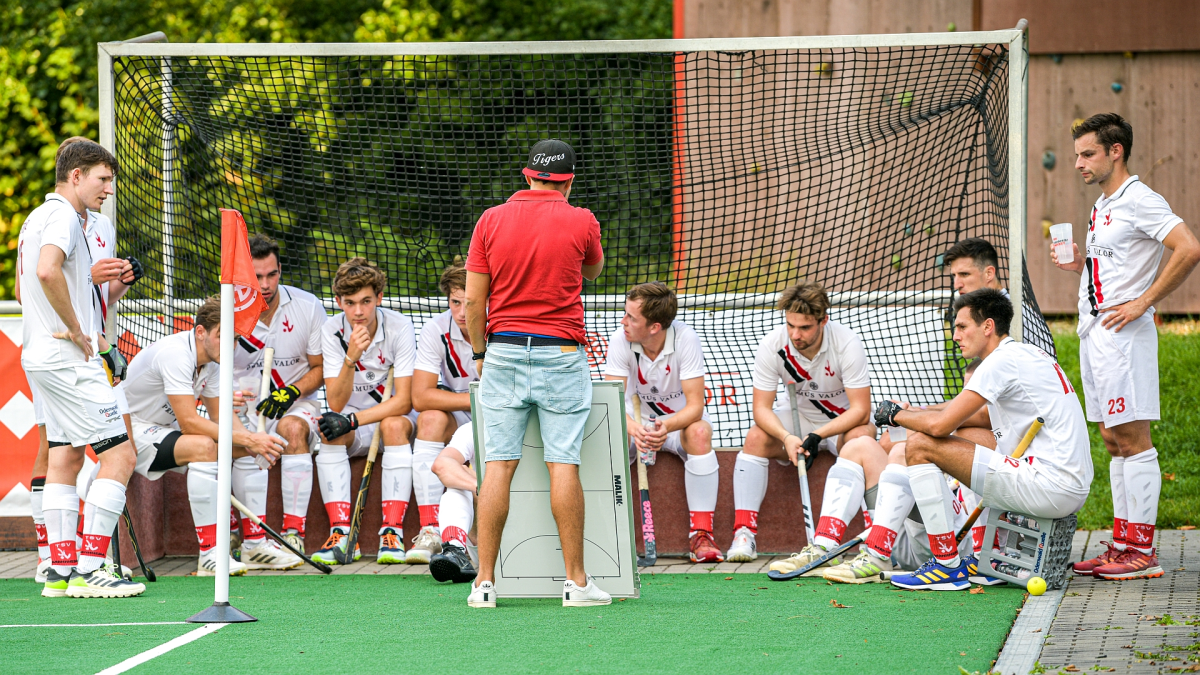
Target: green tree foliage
{"points": [[48, 76]]}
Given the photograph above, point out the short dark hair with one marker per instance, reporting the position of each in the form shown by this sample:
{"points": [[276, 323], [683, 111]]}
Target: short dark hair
{"points": [[1110, 129], [262, 246], [454, 278], [807, 297], [209, 314], [659, 304], [987, 303], [977, 249], [80, 153], [356, 274]]}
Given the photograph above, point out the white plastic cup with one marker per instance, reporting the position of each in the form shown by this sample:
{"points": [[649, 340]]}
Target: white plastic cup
{"points": [[897, 434], [1062, 239]]}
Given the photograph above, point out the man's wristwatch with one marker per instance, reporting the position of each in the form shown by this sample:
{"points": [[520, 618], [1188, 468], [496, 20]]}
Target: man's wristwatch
{"points": [[478, 356]]}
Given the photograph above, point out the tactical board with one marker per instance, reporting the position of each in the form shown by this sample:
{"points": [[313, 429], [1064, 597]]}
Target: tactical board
{"points": [[530, 564]]}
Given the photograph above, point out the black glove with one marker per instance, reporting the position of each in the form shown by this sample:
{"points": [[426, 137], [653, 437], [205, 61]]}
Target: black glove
{"points": [[277, 402], [885, 414], [117, 365], [335, 425], [811, 445], [139, 270]]}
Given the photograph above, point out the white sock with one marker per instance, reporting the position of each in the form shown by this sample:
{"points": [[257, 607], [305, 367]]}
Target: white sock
{"points": [[39, 520], [894, 502], [456, 514], [932, 495], [397, 485], [202, 495], [296, 486], [844, 487], [60, 508], [701, 481], [749, 488], [333, 472], [1143, 482], [427, 486], [105, 502], [1116, 480], [83, 483]]}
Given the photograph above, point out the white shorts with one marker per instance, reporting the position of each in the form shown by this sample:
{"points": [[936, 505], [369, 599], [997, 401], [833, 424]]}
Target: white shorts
{"points": [[807, 426], [673, 444], [39, 415], [1017, 485], [306, 410], [146, 438], [360, 445], [79, 405], [1120, 372]]}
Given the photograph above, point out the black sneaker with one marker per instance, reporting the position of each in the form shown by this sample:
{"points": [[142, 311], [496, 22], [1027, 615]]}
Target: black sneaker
{"points": [[452, 564]]}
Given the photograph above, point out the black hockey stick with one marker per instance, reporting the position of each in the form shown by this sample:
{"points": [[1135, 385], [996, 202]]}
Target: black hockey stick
{"points": [[829, 555], [325, 569], [137, 550]]}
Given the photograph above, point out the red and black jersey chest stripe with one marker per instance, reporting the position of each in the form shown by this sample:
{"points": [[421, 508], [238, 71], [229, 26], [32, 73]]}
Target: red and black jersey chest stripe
{"points": [[377, 393], [793, 367], [660, 409], [828, 409], [1092, 270], [250, 343], [346, 350], [456, 367]]}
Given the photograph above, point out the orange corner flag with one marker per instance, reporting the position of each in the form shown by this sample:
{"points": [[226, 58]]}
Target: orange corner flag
{"points": [[237, 268]]}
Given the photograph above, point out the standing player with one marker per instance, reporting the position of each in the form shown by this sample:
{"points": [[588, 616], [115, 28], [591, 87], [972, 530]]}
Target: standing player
{"points": [[443, 351], [58, 350], [165, 381], [827, 362], [292, 326], [360, 344], [1118, 343], [1018, 383], [665, 361], [457, 512]]}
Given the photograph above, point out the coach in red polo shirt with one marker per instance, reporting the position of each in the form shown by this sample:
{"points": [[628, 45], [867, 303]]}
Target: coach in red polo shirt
{"points": [[525, 273]]}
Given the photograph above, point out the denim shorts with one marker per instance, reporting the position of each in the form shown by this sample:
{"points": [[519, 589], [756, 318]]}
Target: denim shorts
{"points": [[518, 380]]}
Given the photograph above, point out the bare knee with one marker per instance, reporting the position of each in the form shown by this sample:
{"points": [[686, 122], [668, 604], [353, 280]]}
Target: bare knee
{"points": [[759, 443], [698, 438], [919, 449], [861, 431], [396, 430], [896, 454], [432, 425], [859, 449], [295, 432]]}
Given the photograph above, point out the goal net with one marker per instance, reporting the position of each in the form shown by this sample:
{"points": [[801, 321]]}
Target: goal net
{"points": [[730, 169]]}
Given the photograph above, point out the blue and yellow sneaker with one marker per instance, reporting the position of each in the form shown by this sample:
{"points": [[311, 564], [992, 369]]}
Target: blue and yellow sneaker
{"points": [[976, 577], [337, 539], [933, 576]]}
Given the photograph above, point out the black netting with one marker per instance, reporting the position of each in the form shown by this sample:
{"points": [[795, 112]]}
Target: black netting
{"points": [[730, 175]]}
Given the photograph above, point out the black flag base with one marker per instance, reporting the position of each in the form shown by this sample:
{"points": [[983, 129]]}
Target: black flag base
{"points": [[221, 612]]}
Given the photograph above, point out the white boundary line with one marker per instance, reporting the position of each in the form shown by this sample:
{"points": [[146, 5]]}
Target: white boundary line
{"points": [[89, 625], [134, 661]]}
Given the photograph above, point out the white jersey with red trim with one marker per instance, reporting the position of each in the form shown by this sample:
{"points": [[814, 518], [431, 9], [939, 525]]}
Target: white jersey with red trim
{"points": [[1021, 383], [394, 344], [442, 349], [821, 383], [1124, 248], [167, 368], [294, 333], [102, 244], [658, 382]]}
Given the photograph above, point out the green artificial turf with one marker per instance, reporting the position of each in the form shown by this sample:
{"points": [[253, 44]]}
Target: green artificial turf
{"points": [[1175, 435], [682, 623]]}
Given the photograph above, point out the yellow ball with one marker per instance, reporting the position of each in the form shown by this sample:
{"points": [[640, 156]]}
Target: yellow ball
{"points": [[1036, 586]]}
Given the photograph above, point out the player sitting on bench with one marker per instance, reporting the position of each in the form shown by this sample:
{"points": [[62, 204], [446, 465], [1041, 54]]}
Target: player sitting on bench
{"points": [[457, 510]]}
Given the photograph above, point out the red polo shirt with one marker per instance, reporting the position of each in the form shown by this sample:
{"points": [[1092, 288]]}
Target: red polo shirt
{"points": [[534, 246]]}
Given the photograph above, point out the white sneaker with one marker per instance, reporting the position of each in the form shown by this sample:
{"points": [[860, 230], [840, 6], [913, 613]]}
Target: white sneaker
{"points": [[111, 566], [43, 565], [295, 540], [588, 596], [483, 595], [426, 544], [806, 556], [743, 548], [265, 554], [207, 565]]}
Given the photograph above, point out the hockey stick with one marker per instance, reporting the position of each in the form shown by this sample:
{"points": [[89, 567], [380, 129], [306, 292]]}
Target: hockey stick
{"points": [[801, 467], [829, 555], [264, 390], [346, 556], [137, 550], [647, 514], [1034, 428], [326, 569]]}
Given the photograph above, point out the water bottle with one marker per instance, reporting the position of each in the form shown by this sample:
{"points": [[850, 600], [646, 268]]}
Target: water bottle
{"points": [[648, 458]]}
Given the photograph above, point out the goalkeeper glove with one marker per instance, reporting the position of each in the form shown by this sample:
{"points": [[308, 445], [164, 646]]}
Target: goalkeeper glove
{"points": [[885, 414], [335, 425], [277, 402], [115, 362], [811, 445]]}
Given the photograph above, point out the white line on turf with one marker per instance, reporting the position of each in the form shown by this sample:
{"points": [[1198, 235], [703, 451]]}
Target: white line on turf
{"points": [[89, 625], [134, 661]]}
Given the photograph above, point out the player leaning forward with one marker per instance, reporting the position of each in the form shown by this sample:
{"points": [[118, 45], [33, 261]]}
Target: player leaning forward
{"points": [[292, 327], [1118, 343], [59, 356], [1018, 383], [164, 383], [360, 345]]}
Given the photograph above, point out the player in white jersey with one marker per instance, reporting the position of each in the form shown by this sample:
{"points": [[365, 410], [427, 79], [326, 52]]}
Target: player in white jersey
{"points": [[165, 382], [828, 364], [1017, 383], [59, 356], [360, 344], [1129, 227], [292, 327], [457, 511], [661, 362], [443, 352]]}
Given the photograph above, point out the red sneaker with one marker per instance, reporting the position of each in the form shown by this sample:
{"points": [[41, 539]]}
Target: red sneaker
{"points": [[1131, 564], [1087, 567], [704, 549]]}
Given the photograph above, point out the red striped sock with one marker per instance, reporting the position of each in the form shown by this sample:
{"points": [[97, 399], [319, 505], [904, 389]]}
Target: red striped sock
{"points": [[393, 513], [339, 514], [881, 541], [207, 534], [701, 521], [745, 518], [1120, 526], [291, 522], [252, 532], [455, 535], [429, 514], [95, 545], [1140, 536]]}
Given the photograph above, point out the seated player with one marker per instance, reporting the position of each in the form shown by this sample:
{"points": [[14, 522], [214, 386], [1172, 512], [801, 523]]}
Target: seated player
{"points": [[443, 351], [827, 362], [292, 327], [360, 345], [661, 362], [1017, 383], [162, 387], [457, 512], [973, 264]]}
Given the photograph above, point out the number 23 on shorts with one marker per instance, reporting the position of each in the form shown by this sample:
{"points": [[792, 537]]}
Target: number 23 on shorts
{"points": [[1116, 405]]}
